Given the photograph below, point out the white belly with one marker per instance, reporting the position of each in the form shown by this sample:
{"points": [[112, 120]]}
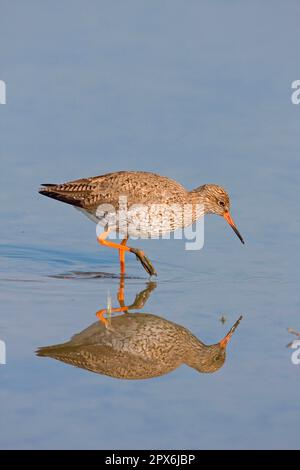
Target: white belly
{"points": [[141, 221]]}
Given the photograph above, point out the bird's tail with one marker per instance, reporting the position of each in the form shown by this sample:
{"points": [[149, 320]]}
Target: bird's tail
{"points": [[55, 191]]}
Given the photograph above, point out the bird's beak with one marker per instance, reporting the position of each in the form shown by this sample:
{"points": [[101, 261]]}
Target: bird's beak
{"points": [[229, 219], [223, 343]]}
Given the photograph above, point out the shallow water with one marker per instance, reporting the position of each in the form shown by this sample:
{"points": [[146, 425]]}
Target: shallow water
{"points": [[98, 94]]}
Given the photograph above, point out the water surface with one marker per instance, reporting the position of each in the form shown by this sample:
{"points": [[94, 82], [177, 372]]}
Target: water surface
{"points": [[197, 92]]}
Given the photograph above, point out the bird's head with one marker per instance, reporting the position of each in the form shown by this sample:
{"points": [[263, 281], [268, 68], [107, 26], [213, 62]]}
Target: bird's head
{"points": [[216, 201]]}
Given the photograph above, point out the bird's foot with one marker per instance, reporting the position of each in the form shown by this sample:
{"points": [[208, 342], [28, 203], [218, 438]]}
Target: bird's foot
{"points": [[146, 263]]}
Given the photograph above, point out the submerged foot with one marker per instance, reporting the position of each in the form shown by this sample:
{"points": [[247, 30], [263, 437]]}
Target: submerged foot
{"points": [[146, 263]]}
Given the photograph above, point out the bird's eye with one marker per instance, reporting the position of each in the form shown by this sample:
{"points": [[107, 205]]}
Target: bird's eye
{"points": [[221, 203]]}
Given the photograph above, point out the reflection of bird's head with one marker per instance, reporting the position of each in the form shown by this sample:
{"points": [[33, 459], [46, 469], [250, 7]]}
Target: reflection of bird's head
{"points": [[215, 359], [211, 358]]}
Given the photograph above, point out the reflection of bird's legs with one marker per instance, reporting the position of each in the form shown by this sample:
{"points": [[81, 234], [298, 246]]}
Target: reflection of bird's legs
{"points": [[142, 297], [139, 301], [100, 314], [122, 247], [123, 308], [121, 292]]}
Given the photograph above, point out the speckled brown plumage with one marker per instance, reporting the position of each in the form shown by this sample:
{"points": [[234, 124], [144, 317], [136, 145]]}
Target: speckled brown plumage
{"points": [[139, 187], [137, 346], [164, 204]]}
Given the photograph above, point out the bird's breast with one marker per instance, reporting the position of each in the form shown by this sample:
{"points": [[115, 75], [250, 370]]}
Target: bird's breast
{"points": [[146, 220]]}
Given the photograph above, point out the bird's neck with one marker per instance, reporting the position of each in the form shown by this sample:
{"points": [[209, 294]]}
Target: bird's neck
{"points": [[197, 197], [197, 353]]}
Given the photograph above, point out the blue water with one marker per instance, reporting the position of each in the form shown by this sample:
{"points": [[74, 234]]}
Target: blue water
{"points": [[200, 92]]}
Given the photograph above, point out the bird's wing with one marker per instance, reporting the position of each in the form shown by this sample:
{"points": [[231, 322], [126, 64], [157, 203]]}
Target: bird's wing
{"points": [[103, 359], [137, 187]]}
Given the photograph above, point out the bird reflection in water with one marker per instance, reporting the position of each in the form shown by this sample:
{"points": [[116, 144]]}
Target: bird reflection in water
{"points": [[138, 345]]}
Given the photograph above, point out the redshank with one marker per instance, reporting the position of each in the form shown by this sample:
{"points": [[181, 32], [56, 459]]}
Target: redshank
{"points": [[164, 205], [139, 346]]}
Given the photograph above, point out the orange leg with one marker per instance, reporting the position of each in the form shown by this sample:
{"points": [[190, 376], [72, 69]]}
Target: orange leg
{"points": [[122, 256], [122, 248]]}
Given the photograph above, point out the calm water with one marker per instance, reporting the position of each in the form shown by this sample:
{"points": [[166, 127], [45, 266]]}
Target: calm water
{"points": [[200, 93]]}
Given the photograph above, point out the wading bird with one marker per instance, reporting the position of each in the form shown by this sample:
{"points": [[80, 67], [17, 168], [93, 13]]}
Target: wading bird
{"points": [[155, 205]]}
